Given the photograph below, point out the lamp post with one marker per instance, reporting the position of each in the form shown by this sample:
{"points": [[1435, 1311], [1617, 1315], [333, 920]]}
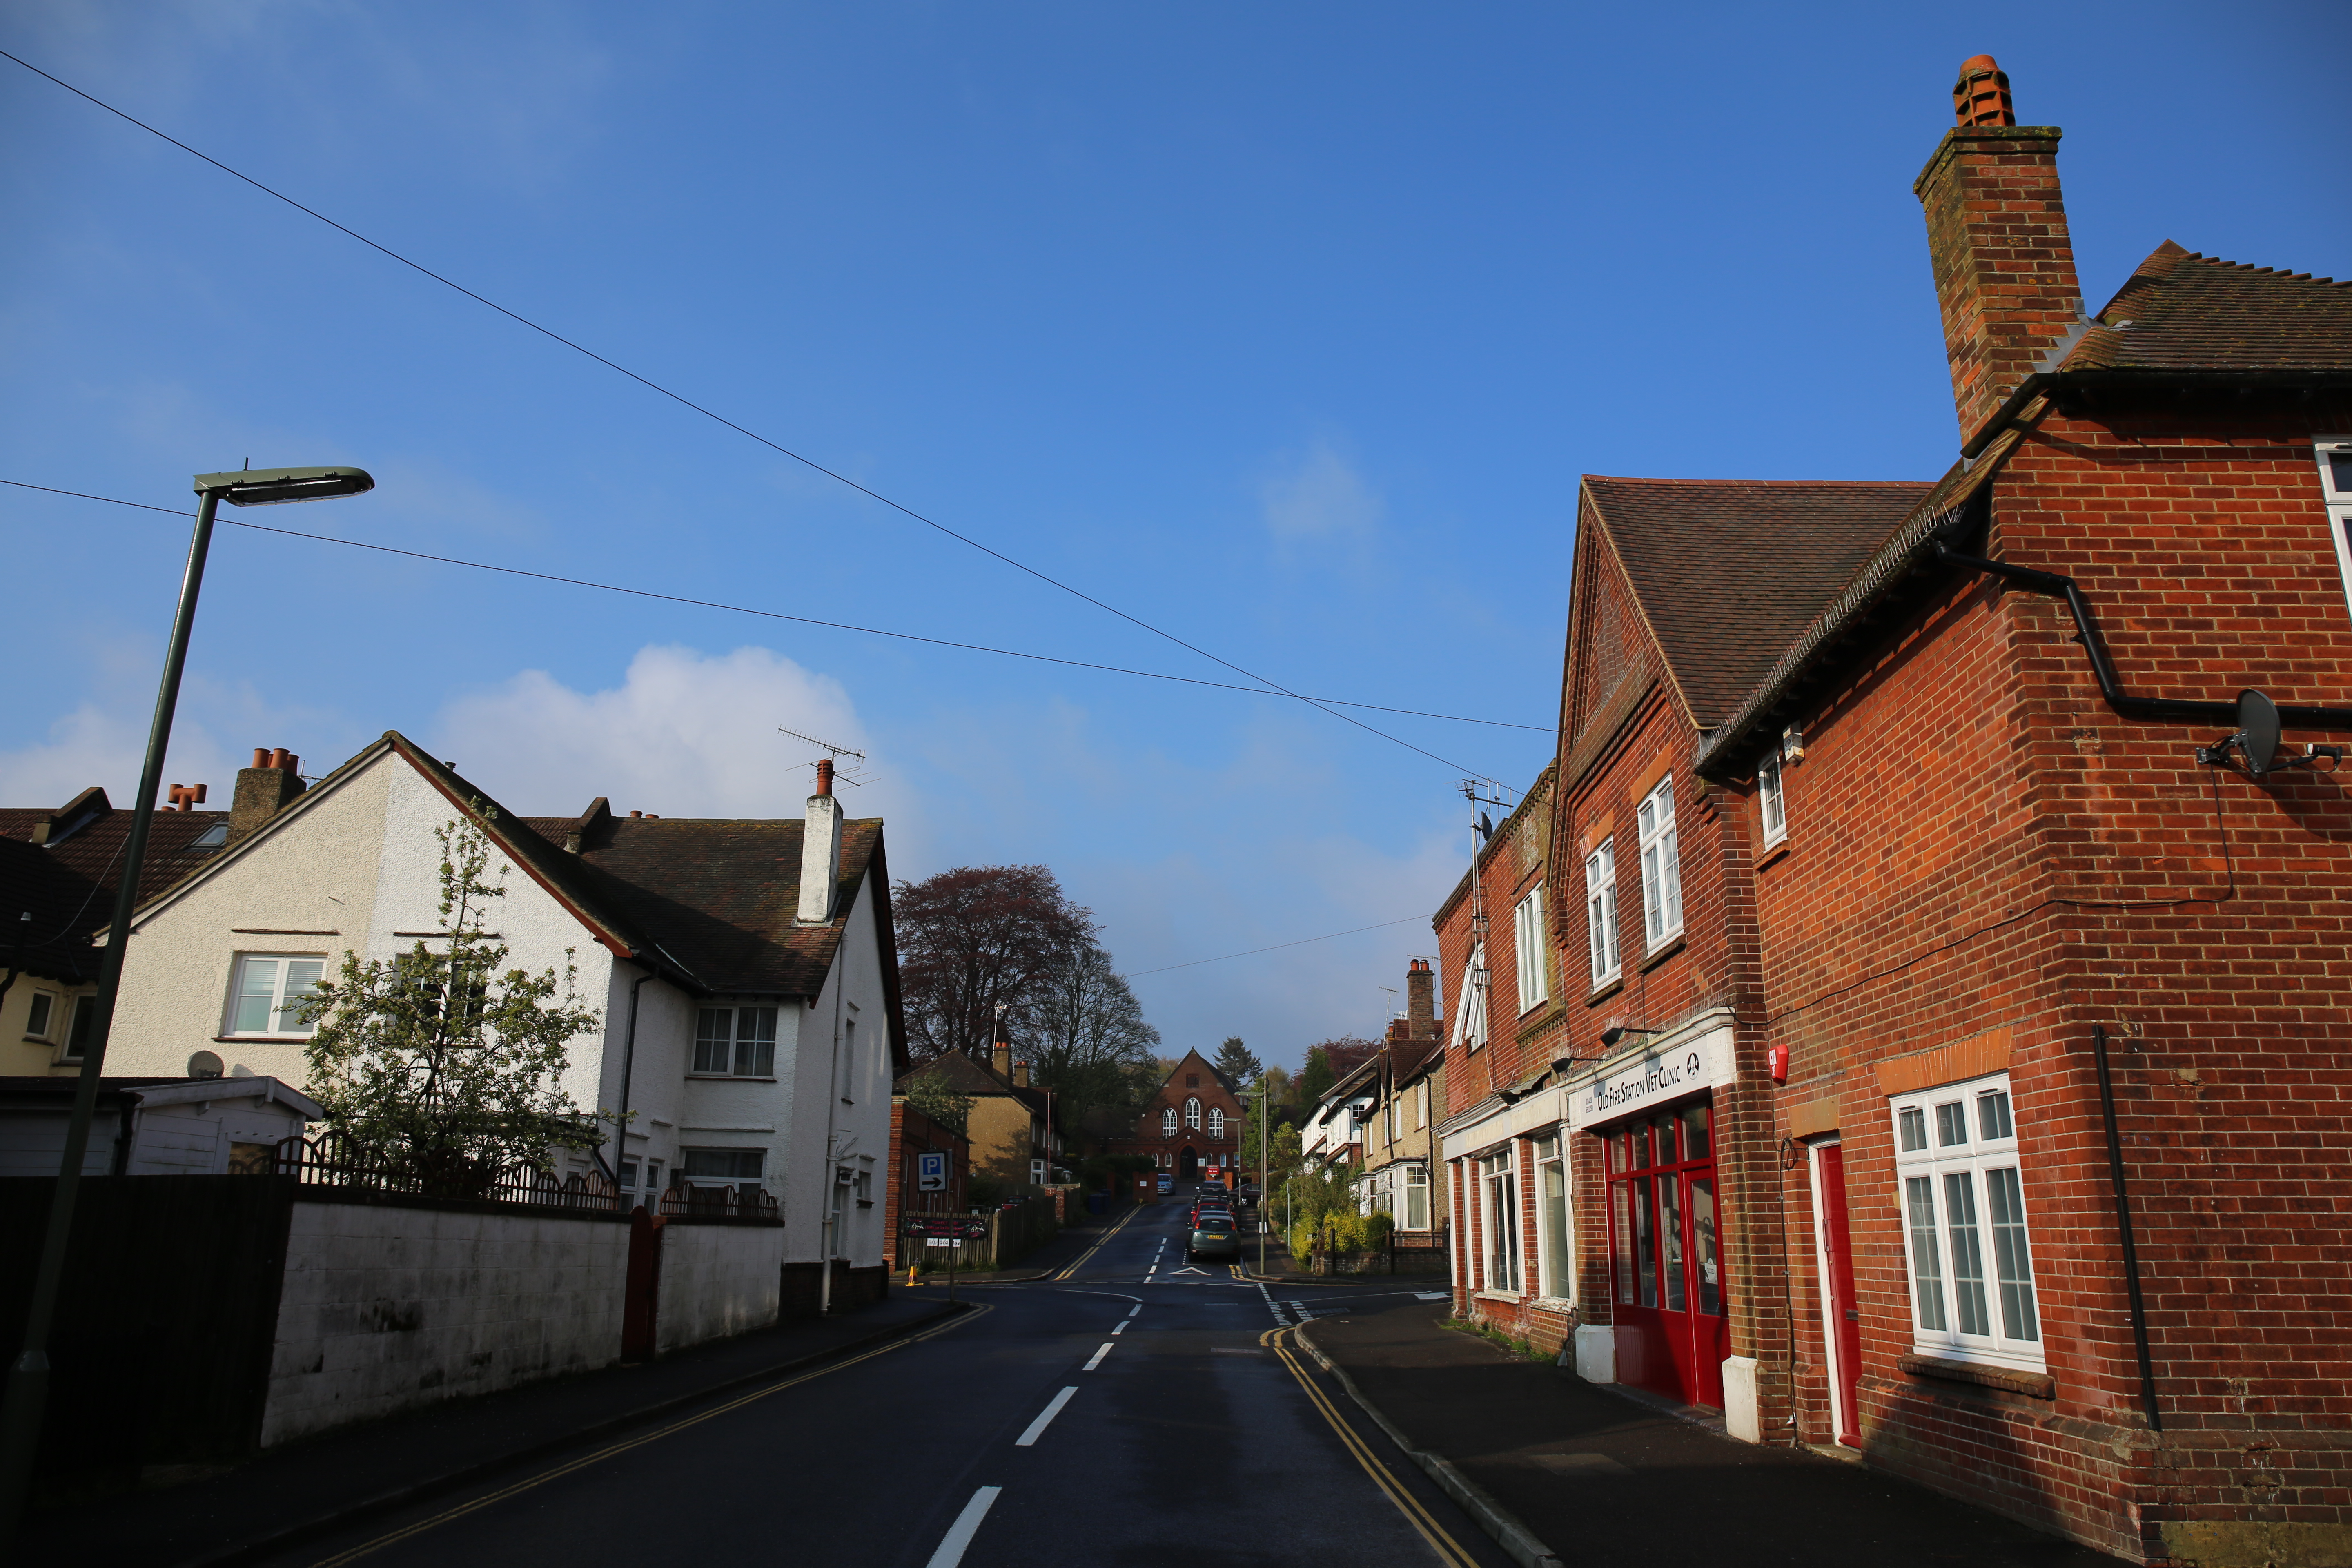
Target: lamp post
{"points": [[1265, 1104], [28, 1374]]}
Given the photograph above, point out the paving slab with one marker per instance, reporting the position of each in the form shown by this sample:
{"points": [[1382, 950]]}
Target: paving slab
{"points": [[1599, 1476]]}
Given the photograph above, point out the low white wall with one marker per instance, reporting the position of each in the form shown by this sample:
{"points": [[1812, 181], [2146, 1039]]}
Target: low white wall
{"points": [[387, 1307], [716, 1280]]}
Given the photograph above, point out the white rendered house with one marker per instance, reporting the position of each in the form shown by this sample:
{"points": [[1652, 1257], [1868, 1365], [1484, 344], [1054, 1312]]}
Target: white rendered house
{"points": [[745, 971]]}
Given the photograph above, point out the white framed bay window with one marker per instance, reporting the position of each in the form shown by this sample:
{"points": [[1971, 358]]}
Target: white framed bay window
{"points": [[1662, 866], [1600, 913], [1966, 1240], [735, 1042]]}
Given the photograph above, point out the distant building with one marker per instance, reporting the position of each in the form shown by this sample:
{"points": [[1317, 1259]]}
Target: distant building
{"points": [[1191, 1128]]}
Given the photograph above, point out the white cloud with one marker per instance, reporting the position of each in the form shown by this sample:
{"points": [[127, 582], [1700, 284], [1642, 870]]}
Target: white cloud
{"points": [[1320, 497], [684, 734]]}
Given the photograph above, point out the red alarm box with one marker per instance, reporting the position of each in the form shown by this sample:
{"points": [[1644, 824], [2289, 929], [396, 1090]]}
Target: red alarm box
{"points": [[1776, 1060]]}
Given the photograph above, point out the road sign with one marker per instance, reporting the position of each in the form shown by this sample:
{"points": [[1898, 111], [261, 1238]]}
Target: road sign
{"points": [[931, 1173], [950, 1227]]}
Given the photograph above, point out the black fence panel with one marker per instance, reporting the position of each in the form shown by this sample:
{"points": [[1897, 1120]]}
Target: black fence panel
{"points": [[161, 1351]]}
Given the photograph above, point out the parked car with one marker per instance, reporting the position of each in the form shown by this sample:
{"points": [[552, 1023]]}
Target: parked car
{"points": [[1166, 1184], [1213, 1236], [1206, 1206], [1247, 1195]]}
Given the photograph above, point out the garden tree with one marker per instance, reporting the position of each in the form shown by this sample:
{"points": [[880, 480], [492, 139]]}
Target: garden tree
{"points": [[441, 1061], [975, 936], [930, 1093], [1235, 1060], [1315, 1078], [1326, 1062], [1282, 1093], [1087, 1034]]}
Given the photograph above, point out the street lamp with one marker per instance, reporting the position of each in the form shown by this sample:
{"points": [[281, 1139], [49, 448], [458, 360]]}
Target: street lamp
{"points": [[1264, 1107], [28, 1374]]}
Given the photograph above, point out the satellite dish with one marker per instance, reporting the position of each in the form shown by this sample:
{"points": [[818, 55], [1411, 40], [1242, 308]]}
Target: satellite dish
{"points": [[204, 1064], [2258, 731], [1485, 826]]}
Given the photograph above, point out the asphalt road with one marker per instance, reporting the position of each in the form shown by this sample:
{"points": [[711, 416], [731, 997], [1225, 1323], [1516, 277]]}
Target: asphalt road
{"points": [[1134, 1410]]}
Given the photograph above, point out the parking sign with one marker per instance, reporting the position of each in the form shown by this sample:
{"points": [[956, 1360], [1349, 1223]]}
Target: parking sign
{"points": [[931, 1173]]}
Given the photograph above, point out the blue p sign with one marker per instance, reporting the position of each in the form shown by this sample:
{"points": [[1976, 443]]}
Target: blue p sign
{"points": [[931, 1173]]}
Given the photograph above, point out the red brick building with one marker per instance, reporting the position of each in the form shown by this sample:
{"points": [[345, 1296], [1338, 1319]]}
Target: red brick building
{"points": [[1986, 981], [1191, 1127]]}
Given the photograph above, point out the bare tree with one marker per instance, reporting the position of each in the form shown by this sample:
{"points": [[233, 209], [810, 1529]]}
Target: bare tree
{"points": [[975, 936], [1086, 1037]]}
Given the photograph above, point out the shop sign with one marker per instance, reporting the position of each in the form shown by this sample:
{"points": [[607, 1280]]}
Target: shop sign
{"points": [[1654, 1077]]}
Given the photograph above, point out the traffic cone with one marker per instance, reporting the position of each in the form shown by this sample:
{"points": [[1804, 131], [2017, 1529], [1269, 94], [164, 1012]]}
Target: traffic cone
{"points": [[910, 1276]]}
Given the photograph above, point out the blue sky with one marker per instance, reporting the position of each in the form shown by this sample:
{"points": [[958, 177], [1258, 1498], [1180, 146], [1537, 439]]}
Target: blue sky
{"points": [[1287, 329]]}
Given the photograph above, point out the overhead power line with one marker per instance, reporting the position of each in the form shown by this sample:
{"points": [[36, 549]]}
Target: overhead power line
{"points": [[771, 615], [1276, 686], [1277, 947]]}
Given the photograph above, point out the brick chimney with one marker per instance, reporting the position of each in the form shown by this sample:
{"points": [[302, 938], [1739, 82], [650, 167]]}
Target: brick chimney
{"points": [[1997, 236], [821, 850], [263, 790], [1020, 1075], [1421, 999], [1003, 1054]]}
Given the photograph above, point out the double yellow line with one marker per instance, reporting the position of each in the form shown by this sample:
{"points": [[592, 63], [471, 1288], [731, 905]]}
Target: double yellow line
{"points": [[656, 1435], [1449, 1550], [1080, 1261]]}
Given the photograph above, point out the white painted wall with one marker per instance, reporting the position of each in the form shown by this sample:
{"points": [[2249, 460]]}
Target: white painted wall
{"points": [[355, 858], [849, 1099], [717, 1281], [385, 1308]]}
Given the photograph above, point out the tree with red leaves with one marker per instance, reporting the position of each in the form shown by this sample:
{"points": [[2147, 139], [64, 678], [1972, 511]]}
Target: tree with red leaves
{"points": [[975, 936]]}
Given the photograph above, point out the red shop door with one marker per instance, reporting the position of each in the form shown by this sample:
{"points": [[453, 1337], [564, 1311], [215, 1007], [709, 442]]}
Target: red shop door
{"points": [[1666, 1237], [1844, 1317]]}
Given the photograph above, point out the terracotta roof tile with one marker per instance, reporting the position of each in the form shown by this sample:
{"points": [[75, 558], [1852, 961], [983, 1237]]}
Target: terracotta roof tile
{"points": [[68, 885], [2180, 310], [1729, 571]]}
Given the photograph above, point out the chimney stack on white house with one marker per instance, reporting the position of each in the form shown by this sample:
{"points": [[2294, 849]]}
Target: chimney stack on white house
{"points": [[821, 850]]}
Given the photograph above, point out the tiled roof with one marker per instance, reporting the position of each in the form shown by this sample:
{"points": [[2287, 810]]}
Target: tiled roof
{"points": [[68, 886], [965, 1076], [1729, 571], [2184, 312]]}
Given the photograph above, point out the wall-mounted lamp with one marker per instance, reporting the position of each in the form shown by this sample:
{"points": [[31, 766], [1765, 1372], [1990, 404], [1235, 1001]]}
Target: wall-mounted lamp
{"points": [[1561, 1064], [1792, 745], [1610, 1036]]}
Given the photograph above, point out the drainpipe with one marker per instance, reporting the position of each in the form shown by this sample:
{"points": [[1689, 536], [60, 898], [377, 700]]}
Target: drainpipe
{"points": [[2123, 1230], [628, 1065], [2151, 710]]}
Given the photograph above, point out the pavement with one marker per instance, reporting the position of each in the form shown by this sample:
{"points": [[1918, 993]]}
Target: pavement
{"points": [[1592, 1474]]}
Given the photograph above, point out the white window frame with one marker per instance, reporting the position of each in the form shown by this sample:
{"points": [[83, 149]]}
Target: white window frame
{"points": [[1498, 1189], [41, 1017], [1470, 1010], [2337, 494], [743, 1058], [1600, 913], [1416, 1187], [1974, 1167], [1421, 1105], [1167, 1121], [1555, 1274], [287, 1027], [1662, 866], [1216, 1121], [1527, 933], [1771, 797], [1193, 1113]]}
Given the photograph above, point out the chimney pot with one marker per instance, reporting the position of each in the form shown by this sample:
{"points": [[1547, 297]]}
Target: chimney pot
{"points": [[1981, 95], [637, 813], [263, 790], [825, 775], [2004, 263]]}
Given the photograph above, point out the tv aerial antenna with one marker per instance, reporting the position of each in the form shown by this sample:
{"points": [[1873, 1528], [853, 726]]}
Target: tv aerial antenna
{"points": [[838, 753]]}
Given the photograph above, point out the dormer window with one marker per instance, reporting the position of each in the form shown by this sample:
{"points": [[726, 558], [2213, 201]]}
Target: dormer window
{"points": [[213, 837]]}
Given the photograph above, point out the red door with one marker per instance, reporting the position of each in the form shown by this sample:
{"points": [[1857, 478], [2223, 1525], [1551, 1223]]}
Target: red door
{"points": [[1844, 1334], [1665, 1206]]}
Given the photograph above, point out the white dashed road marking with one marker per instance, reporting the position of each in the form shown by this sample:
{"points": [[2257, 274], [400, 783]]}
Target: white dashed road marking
{"points": [[967, 1524], [1097, 1357], [1026, 1439]]}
